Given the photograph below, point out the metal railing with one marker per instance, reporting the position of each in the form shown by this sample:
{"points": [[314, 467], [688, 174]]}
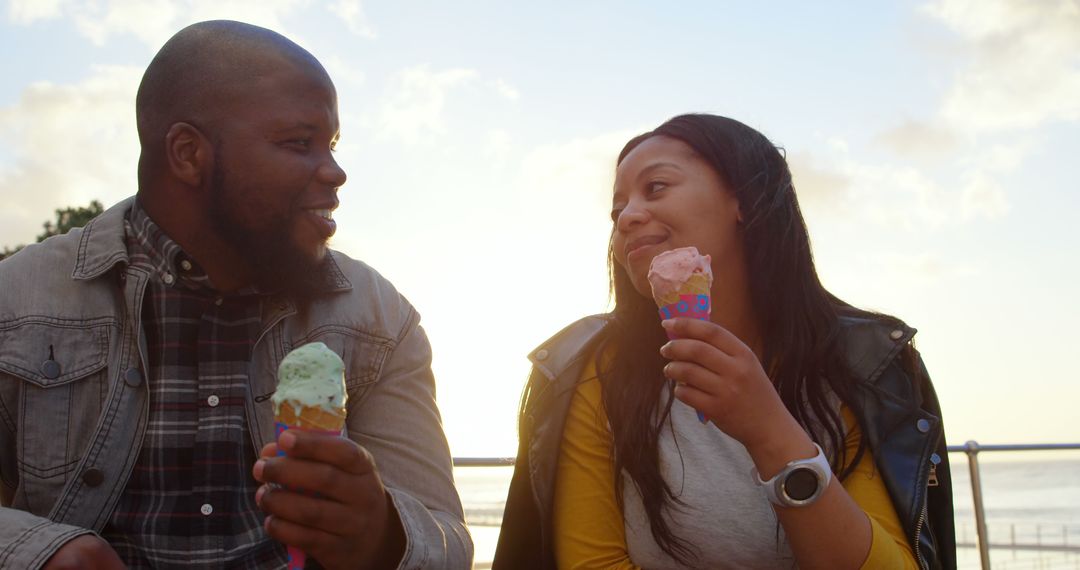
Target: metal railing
{"points": [[972, 449]]}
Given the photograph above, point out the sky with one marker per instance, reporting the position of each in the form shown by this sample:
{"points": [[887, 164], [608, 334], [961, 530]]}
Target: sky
{"points": [[933, 145]]}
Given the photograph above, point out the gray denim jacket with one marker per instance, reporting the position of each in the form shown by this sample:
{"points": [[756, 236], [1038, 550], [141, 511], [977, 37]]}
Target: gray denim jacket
{"points": [[74, 406]]}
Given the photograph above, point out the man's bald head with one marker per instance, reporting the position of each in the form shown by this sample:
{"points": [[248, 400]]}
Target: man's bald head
{"points": [[201, 73]]}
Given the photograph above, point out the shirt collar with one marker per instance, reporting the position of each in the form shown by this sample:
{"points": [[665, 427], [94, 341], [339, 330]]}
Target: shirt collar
{"points": [[150, 246]]}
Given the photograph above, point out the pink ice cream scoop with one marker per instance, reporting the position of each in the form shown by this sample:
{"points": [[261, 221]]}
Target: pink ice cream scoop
{"points": [[678, 273]]}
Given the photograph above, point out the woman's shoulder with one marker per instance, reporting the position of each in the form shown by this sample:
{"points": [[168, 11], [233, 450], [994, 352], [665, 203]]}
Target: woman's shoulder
{"points": [[578, 338], [870, 342]]}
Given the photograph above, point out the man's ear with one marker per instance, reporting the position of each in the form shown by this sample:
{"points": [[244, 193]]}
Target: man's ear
{"points": [[188, 153]]}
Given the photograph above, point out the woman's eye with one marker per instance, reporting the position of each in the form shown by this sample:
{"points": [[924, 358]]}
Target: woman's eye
{"points": [[654, 187], [615, 212], [299, 143]]}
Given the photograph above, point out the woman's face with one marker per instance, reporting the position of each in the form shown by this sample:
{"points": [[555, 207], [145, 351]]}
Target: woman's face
{"points": [[666, 197]]}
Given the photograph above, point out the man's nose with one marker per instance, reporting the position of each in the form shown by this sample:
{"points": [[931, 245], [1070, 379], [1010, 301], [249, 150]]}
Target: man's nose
{"points": [[331, 173]]}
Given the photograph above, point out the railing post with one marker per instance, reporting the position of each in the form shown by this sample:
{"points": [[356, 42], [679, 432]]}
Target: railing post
{"points": [[971, 448]]}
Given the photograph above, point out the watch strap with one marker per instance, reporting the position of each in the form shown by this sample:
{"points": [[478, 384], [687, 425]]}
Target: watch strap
{"points": [[818, 466]]}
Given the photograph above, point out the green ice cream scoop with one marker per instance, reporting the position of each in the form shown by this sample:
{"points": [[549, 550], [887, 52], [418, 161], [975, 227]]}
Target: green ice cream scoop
{"points": [[311, 376]]}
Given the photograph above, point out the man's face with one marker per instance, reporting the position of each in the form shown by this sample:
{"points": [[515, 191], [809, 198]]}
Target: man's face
{"points": [[275, 180]]}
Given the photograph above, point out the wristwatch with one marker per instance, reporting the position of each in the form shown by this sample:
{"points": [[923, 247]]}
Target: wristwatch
{"points": [[800, 483]]}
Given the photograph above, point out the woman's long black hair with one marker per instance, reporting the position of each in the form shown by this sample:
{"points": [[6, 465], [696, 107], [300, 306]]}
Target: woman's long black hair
{"points": [[798, 320]]}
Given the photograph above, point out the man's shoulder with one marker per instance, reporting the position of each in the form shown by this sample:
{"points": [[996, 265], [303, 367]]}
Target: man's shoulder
{"points": [[365, 298], [364, 280], [54, 256]]}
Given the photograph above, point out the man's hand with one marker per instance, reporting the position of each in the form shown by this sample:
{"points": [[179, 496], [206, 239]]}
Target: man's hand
{"points": [[86, 552], [334, 508]]}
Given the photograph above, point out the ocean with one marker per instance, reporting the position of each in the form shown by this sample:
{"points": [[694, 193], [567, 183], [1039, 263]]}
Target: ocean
{"points": [[1032, 506]]}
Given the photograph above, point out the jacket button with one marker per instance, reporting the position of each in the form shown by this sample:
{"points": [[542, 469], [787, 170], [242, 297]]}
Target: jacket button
{"points": [[541, 354], [93, 477], [133, 377], [50, 369], [896, 334], [935, 458], [923, 425]]}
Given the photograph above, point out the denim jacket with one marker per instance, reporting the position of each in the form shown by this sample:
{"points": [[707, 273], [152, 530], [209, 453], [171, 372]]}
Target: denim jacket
{"points": [[901, 419], [74, 406]]}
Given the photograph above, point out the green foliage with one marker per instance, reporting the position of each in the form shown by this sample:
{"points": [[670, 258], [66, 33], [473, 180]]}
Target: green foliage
{"points": [[66, 219]]}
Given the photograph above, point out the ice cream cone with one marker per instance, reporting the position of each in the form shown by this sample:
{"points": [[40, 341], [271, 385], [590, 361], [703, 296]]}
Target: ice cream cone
{"points": [[681, 281], [297, 415], [310, 396], [696, 284]]}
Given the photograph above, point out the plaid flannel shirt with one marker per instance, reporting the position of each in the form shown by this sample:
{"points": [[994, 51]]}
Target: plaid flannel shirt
{"points": [[190, 500]]}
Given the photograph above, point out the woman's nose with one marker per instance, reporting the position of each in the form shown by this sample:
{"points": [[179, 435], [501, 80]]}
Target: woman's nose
{"points": [[631, 217]]}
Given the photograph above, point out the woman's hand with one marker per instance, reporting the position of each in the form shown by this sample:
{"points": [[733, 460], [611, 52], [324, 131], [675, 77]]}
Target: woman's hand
{"points": [[722, 378]]}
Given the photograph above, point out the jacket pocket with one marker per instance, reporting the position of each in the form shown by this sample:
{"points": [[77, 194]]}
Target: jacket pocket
{"points": [[58, 368], [363, 353]]}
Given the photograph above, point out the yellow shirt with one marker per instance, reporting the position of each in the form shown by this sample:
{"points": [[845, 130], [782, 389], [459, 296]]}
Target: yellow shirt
{"points": [[589, 526]]}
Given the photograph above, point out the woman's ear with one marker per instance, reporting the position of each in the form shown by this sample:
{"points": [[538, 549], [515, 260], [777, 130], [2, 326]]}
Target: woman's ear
{"points": [[188, 153]]}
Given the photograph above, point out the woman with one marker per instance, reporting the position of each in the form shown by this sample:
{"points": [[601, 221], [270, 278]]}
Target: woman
{"points": [[829, 406]]}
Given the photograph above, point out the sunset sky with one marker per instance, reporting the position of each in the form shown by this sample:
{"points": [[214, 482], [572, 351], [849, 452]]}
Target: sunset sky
{"points": [[934, 147]]}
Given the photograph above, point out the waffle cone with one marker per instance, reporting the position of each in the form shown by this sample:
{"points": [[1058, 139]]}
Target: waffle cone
{"points": [[310, 417], [697, 284]]}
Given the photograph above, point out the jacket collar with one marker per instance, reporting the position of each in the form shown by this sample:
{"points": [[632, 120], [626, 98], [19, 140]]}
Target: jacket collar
{"points": [[102, 247], [560, 352], [869, 345]]}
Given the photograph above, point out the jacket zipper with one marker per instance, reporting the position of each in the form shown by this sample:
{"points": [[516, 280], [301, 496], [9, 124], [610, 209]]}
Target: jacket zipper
{"points": [[918, 532]]}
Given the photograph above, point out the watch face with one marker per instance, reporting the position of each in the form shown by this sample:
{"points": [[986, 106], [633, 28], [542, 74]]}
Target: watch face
{"points": [[801, 484]]}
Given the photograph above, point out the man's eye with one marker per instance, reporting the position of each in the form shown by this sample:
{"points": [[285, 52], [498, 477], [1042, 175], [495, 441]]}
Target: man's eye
{"points": [[301, 143], [615, 213]]}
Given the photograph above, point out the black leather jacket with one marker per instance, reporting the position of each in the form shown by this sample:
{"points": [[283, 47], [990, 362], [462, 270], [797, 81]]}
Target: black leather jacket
{"points": [[900, 417]]}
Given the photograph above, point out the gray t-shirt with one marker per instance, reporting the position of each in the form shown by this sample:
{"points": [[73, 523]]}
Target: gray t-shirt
{"points": [[727, 518]]}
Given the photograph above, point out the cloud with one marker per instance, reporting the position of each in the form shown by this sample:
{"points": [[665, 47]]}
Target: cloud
{"points": [[919, 268], [506, 90], [983, 196], [572, 182], [816, 185], [412, 110], [69, 144], [153, 21], [1025, 68], [836, 184], [498, 144], [29, 11], [919, 140], [352, 13]]}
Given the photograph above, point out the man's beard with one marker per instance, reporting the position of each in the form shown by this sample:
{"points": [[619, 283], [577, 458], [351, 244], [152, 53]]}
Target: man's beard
{"points": [[277, 264]]}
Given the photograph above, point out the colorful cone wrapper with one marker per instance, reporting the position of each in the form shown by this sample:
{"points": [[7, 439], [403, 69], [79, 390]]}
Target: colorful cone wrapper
{"points": [[691, 307], [292, 415]]}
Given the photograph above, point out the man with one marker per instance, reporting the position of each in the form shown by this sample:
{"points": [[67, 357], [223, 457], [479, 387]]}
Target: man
{"points": [[138, 355]]}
